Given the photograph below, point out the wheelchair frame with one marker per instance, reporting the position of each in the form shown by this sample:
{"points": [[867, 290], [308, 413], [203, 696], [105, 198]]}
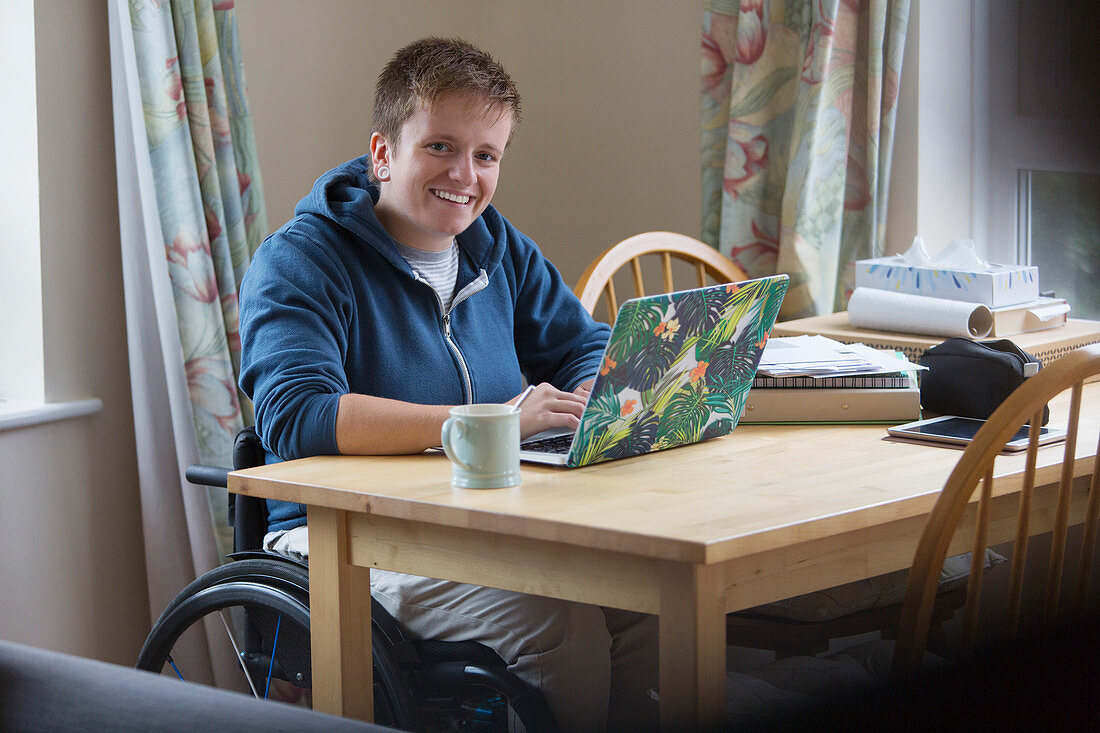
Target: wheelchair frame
{"points": [[419, 684]]}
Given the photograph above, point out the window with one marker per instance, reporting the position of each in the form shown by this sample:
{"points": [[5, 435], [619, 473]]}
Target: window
{"points": [[1037, 102], [23, 390], [1060, 234], [21, 347]]}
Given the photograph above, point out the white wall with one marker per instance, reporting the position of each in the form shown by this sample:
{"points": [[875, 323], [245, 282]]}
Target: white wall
{"points": [[931, 179], [72, 572], [901, 212], [945, 142]]}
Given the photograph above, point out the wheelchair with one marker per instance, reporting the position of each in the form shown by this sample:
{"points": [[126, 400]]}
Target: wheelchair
{"points": [[262, 601]]}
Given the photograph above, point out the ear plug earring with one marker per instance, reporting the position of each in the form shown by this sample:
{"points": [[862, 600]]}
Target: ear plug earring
{"points": [[382, 172]]}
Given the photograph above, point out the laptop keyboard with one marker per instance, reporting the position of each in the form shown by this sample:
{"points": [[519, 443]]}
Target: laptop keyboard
{"points": [[556, 444]]}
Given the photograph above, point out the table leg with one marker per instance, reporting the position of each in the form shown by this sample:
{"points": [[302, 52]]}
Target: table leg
{"points": [[692, 640], [339, 611]]}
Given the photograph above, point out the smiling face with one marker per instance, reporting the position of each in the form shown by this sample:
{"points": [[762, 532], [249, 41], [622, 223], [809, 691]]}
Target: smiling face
{"points": [[442, 170]]}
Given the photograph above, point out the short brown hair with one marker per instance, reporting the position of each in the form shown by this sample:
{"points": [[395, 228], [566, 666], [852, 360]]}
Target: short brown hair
{"points": [[426, 70]]}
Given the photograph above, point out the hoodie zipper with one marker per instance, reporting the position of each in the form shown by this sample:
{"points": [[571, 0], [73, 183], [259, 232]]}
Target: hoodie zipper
{"points": [[474, 286], [467, 386]]}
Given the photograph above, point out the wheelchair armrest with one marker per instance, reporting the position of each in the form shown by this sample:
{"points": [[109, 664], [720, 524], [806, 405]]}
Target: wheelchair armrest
{"points": [[247, 514], [207, 475], [247, 452]]}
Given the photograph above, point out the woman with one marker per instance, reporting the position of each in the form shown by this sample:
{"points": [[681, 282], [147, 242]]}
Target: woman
{"points": [[397, 291]]}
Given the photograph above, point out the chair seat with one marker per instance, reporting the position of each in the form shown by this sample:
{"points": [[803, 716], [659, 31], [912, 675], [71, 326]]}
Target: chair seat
{"points": [[834, 675], [805, 624], [838, 601]]}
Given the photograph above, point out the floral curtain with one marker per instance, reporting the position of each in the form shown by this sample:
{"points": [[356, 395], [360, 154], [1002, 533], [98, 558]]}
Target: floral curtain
{"points": [[208, 194], [799, 100], [191, 214]]}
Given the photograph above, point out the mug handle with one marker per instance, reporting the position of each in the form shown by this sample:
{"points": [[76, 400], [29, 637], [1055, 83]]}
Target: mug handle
{"points": [[456, 428]]}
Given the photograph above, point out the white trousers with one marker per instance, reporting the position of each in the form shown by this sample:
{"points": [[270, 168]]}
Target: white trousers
{"points": [[596, 667]]}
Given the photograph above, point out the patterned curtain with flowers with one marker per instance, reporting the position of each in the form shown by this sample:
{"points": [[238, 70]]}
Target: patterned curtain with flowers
{"points": [[799, 100], [191, 214]]}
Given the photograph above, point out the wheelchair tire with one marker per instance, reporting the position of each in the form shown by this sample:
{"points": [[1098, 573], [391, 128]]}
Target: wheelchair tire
{"points": [[274, 595], [288, 575]]}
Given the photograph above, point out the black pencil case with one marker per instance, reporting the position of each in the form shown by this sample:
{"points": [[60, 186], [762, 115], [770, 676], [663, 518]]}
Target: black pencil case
{"points": [[972, 378]]}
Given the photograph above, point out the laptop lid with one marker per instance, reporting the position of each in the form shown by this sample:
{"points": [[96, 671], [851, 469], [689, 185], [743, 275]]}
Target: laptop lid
{"points": [[676, 370]]}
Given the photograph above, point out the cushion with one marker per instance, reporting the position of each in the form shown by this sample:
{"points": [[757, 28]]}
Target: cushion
{"points": [[832, 692], [862, 595], [753, 703], [822, 678]]}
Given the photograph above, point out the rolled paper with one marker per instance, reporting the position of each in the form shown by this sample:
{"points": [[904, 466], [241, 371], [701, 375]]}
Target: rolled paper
{"points": [[885, 310]]}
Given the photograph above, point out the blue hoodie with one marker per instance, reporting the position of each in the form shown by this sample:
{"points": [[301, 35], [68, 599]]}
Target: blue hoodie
{"points": [[329, 307]]}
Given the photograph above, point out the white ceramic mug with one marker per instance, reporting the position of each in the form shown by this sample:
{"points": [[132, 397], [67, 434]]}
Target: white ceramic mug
{"points": [[482, 442]]}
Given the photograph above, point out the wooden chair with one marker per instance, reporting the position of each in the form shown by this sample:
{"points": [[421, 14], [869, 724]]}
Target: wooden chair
{"points": [[598, 280], [974, 472], [1038, 675]]}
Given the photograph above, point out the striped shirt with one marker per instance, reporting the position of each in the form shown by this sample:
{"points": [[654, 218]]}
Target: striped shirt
{"points": [[439, 269]]}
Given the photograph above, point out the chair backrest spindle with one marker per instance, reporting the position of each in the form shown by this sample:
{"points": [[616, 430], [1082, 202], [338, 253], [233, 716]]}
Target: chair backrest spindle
{"points": [[1061, 517], [612, 301], [1088, 541], [1023, 534], [666, 272], [598, 279], [636, 269], [977, 565]]}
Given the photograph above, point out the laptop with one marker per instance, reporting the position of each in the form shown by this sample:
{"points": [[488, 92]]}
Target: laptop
{"points": [[676, 370]]}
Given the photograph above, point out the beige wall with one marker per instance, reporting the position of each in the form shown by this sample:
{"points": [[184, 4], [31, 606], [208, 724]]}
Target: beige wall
{"points": [[610, 142], [609, 148], [579, 177], [72, 573]]}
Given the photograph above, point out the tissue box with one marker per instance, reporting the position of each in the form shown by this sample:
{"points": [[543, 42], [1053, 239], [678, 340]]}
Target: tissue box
{"points": [[996, 286]]}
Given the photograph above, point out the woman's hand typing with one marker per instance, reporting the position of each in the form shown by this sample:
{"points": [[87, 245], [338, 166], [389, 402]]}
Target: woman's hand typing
{"points": [[548, 407]]}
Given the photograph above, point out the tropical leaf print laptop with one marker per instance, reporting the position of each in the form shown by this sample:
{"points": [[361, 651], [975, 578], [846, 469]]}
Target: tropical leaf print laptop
{"points": [[676, 370]]}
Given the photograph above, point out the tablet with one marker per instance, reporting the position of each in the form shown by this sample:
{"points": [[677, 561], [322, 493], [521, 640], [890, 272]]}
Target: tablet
{"points": [[961, 430]]}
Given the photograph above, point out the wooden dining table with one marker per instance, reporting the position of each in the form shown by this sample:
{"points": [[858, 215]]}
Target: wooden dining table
{"points": [[690, 534]]}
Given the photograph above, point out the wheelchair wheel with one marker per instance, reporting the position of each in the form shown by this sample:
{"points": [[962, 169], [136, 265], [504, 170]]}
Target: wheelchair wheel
{"points": [[259, 607]]}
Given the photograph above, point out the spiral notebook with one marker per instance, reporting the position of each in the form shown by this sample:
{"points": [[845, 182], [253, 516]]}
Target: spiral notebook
{"points": [[676, 370]]}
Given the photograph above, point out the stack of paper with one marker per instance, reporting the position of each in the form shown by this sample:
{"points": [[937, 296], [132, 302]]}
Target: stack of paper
{"points": [[1046, 345], [819, 356], [1026, 317], [808, 377]]}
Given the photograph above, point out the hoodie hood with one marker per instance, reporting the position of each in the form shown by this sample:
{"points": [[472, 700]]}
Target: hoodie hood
{"points": [[346, 195]]}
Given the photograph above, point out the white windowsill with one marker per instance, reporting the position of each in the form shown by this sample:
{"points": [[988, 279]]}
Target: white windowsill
{"points": [[21, 414]]}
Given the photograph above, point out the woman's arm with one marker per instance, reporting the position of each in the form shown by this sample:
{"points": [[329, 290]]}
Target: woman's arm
{"points": [[367, 425], [557, 340]]}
